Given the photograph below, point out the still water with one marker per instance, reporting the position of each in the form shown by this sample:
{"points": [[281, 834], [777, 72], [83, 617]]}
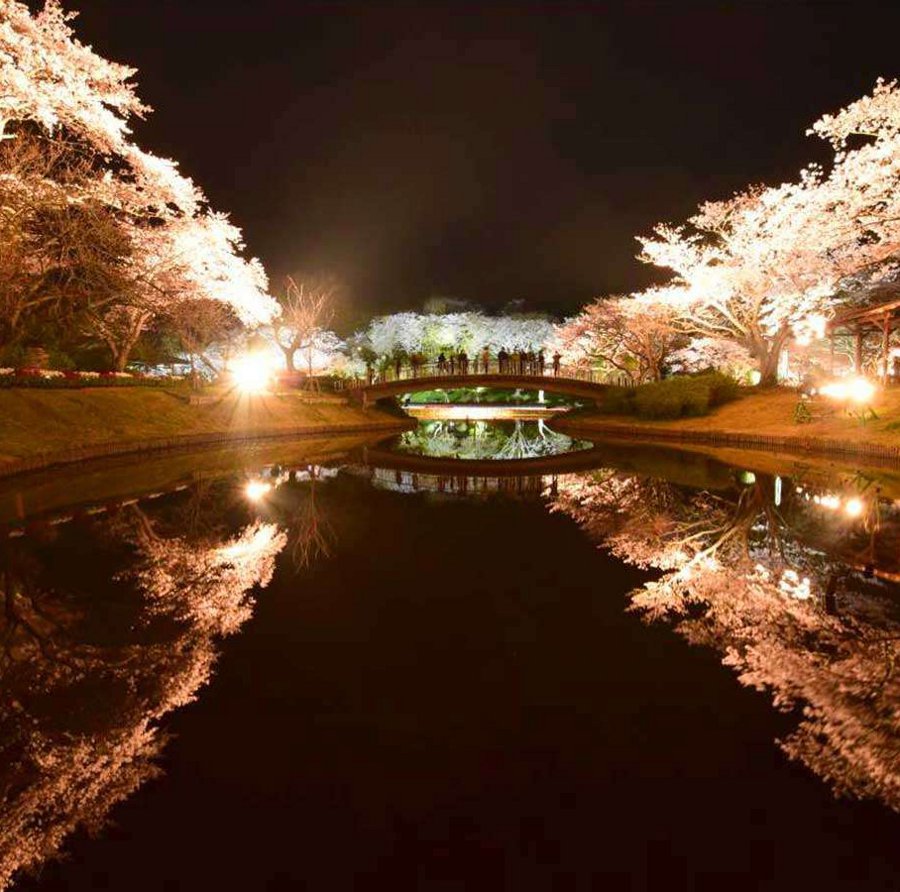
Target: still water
{"points": [[343, 664]]}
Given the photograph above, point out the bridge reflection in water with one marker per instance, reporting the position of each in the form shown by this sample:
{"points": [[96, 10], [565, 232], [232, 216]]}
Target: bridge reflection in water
{"points": [[532, 486]]}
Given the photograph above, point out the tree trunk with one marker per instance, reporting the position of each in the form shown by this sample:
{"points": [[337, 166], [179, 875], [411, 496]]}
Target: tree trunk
{"points": [[767, 354], [288, 357]]}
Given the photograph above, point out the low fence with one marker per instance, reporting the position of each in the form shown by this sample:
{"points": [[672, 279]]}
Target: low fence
{"points": [[456, 368]]}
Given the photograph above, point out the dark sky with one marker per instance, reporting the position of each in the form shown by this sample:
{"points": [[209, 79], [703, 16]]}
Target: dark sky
{"points": [[490, 152]]}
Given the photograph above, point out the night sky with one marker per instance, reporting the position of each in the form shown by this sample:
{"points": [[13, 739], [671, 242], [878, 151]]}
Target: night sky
{"points": [[491, 153]]}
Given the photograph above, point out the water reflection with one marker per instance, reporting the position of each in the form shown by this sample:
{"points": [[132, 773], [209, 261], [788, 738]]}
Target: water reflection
{"points": [[789, 586], [94, 654], [792, 579], [479, 440]]}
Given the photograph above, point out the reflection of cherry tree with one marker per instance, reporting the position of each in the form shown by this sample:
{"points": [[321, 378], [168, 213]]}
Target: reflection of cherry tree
{"points": [[482, 440], [736, 575], [80, 721], [533, 442]]}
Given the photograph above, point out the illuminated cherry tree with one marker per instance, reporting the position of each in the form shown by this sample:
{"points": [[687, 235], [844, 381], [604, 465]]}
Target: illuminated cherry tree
{"points": [[632, 337], [757, 267], [55, 92]]}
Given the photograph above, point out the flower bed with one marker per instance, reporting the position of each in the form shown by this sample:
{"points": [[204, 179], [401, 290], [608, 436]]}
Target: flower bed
{"points": [[52, 378]]}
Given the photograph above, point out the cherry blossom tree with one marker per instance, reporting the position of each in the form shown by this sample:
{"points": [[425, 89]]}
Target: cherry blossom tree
{"points": [[62, 98], [632, 337], [307, 308], [757, 266]]}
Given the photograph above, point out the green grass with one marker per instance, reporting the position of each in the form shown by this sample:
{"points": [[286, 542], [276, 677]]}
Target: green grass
{"points": [[38, 422]]}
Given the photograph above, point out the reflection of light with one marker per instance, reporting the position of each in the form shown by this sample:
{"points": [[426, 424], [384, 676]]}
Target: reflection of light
{"points": [[252, 373], [858, 390], [256, 489], [791, 584], [853, 507]]}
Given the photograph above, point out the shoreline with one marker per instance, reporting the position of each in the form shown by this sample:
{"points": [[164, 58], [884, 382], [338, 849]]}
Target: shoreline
{"points": [[96, 451], [45, 429], [719, 438]]}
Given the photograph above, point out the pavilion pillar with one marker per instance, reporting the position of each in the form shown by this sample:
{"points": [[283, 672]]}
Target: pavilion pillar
{"points": [[885, 347], [858, 352]]}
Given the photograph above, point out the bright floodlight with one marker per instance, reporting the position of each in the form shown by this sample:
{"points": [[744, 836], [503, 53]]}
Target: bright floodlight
{"points": [[853, 507], [252, 372], [256, 489], [857, 390]]}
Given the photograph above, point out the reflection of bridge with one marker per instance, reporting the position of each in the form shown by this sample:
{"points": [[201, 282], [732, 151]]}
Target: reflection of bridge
{"points": [[566, 463], [567, 381]]}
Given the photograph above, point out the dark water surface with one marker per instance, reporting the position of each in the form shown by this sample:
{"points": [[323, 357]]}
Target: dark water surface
{"points": [[289, 668]]}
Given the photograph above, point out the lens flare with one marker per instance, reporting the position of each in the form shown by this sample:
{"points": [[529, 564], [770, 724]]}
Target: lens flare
{"points": [[853, 507], [857, 390], [255, 490], [252, 373]]}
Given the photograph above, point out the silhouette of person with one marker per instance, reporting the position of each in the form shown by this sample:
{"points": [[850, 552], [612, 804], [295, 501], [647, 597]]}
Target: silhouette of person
{"points": [[398, 366], [556, 361], [485, 360], [463, 363], [442, 363], [502, 360], [541, 362]]}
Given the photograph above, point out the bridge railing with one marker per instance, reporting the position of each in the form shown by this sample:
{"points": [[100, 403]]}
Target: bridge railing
{"points": [[455, 368]]}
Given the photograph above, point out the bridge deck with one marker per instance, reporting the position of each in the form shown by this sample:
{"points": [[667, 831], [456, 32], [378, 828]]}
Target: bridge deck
{"points": [[583, 384]]}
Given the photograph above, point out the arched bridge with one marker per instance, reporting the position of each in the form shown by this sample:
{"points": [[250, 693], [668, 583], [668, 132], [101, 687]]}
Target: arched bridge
{"points": [[579, 383]]}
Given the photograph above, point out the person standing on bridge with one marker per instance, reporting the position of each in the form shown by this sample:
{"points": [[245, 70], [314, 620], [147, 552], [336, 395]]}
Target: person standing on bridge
{"points": [[485, 360], [463, 363], [398, 366], [452, 363], [542, 363], [442, 364], [556, 360], [502, 359]]}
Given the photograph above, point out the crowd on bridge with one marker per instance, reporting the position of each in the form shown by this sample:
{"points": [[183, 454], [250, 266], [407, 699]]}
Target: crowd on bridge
{"points": [[518, 362]]}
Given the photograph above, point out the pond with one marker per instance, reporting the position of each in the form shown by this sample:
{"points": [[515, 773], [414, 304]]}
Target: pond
{"points": [[349, 664]]}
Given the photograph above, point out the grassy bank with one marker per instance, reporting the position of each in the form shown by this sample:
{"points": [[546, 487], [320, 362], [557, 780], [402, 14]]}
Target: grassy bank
{"points": [[41, 426], [764, 416]]}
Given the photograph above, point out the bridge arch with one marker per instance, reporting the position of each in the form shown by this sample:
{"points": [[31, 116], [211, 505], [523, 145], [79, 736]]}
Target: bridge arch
{"points": [[585, 388]]}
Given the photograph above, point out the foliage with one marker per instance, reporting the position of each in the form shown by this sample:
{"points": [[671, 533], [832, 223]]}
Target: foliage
{"points": [[68, 380], [96, 234], [404, 334], [632, 337], [677, 397], [757, 266], [713, 354]]}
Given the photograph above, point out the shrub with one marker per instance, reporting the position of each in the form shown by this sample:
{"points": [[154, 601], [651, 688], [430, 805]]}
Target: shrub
{"points": [[619, 400], [676, 397], [722, 388]]}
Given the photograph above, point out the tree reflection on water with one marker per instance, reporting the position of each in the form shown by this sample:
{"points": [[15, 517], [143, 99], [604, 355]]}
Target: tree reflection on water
{"points": [[486, 440], [88, 675], [779, 579], [792, 582]]}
